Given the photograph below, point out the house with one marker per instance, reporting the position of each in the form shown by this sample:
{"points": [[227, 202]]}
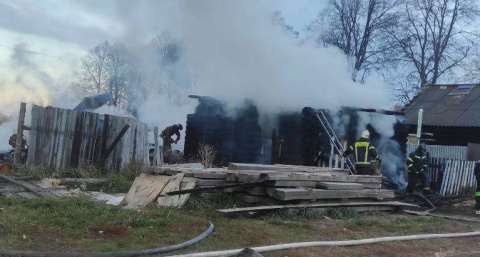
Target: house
{"points": [[451, 114]]}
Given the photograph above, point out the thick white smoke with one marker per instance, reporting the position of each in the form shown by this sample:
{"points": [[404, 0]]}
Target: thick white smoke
{"points": [[229, 49], [237, 53]]}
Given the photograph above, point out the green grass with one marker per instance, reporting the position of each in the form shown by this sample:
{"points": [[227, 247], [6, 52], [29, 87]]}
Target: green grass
{"points": [[80, 224], [341, 213]]}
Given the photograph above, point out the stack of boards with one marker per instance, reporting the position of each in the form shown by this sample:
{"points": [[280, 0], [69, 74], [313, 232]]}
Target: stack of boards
{"points": [[281, 185]]}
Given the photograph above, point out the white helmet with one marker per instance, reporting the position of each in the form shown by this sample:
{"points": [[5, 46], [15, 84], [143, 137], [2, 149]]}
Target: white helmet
{"points": [[365, 134]]}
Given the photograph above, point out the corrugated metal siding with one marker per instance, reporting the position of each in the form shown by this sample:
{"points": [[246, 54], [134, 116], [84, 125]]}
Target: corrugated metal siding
{"points": [[443, 151]]}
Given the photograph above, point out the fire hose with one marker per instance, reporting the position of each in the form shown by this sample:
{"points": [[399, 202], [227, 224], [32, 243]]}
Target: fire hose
{"points": [[269, 248], [159, 250]]}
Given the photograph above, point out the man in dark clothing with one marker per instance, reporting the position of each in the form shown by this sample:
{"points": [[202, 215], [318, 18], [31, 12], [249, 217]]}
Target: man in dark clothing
{"points": [[365, 154], [417, 163], [167, 134], [477, 191]]}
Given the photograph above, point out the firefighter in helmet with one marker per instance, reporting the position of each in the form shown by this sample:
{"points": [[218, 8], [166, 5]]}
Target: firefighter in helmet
{"points": [[166, 136], [365, 154], [417, 163]]}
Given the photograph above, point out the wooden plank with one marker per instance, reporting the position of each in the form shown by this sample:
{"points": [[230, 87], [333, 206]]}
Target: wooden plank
{"points": [[33, 137], [145, 189], [340, 186], [286, 194], [371, 185], [187, 183], [211, 182], [40, 136], [292, 183], [250, 166], [139, 184], [156, 154], [316, 205], [173, 185], [18, 146], [159, 183], [322, 177], [205, 189], [26, 186]]}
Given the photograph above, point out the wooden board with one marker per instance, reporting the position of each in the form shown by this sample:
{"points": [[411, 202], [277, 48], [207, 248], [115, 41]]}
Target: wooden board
{"points": [[291, 183], [340, 186], [211, 182], [145, 189], [315, 205], [323, 177], [286, 194], [250, 166], [187, 183], [173, 185]]}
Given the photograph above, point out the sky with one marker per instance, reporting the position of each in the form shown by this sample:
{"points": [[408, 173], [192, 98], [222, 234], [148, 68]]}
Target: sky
{"points": [[230, 48], [62, 30]]}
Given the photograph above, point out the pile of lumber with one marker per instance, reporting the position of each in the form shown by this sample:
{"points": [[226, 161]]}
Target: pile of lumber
{"points": [[285, 184]]}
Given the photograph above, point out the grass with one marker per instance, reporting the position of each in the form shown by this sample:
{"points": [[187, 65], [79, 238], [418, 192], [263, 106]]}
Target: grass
{"points": [[80, 224], [83, 225]]}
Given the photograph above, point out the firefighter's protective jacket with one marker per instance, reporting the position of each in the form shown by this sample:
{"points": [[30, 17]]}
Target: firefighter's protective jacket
{"points": [[364, 152], [417, 161], [170, 131]]}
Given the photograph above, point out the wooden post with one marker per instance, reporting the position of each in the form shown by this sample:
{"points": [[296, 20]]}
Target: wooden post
{"points": [[156, 159], [18, 145]]}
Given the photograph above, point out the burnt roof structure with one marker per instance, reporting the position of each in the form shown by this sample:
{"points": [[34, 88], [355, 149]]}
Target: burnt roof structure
{"points": [[452, 105]]}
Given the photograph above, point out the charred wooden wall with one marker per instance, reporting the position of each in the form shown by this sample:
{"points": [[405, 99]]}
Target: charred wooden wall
{"points": [[237, 136], [63, 139]]}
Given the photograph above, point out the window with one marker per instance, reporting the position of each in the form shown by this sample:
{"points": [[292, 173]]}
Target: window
{"points": [[461, 90]]}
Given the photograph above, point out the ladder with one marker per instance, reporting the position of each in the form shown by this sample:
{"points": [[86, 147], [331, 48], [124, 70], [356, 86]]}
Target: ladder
{"points": [[334, 139]]}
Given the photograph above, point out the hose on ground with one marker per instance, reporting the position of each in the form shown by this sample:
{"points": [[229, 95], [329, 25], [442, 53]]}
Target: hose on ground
{"points": [[329, 243], [130, 253]]}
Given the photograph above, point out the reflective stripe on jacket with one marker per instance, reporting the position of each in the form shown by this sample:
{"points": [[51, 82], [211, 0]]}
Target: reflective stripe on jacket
{"points": [[364, 152]]}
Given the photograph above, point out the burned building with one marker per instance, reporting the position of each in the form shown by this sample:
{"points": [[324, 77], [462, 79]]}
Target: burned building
{"points": [[294, 138]]}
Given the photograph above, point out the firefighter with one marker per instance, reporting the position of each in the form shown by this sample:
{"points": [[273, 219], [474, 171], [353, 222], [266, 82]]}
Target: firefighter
{"points": [[417, 163], [365, 154], [477, 191], [167, 134]]}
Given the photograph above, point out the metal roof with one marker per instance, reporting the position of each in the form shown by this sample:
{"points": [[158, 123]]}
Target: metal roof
{"points": [[444, 106]]}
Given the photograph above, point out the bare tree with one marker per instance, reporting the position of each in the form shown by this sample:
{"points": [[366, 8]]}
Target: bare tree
{"points": [[358, 27], [435, 37], [94, 75], [110, 68]]}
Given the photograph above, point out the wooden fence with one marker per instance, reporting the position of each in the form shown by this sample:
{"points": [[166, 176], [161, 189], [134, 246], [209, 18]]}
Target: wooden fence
{"points": [[458, 178], [62, 139]]}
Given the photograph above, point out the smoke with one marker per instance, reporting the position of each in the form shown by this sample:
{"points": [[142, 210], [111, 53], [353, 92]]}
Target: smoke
{"points": [[160, 111], [393, 160], [226, 49], [237, 53]]}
